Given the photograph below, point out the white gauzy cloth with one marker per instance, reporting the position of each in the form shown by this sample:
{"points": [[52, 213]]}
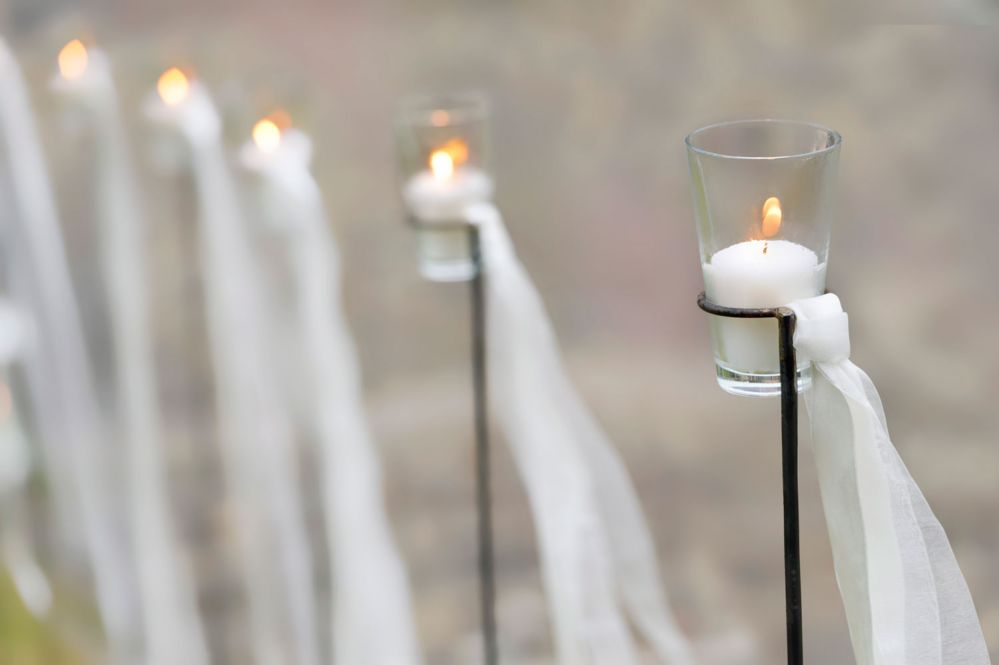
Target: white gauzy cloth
{"points": [[906, 600], [372, 610], [16, 547], [597, 556]]}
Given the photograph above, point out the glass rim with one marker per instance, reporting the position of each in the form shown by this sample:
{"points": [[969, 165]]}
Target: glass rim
{"points": [[835, 139], [460, 107]]}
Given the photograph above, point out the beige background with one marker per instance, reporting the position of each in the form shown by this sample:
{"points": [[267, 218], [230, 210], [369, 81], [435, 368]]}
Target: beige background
{"points": [[591, 103]]}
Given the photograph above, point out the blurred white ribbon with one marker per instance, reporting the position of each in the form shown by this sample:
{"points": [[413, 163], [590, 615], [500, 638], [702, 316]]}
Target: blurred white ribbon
{"points": [[906, 600], [372, 610], [598, 560], [17, 334]]}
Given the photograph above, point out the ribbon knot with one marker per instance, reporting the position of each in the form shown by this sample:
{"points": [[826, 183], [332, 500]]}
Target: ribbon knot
{"points": [[822, 332]]}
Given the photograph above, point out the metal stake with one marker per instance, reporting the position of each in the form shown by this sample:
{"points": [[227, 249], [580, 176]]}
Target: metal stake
{"points": [[483, 475], [789, 460], [483, 492]]}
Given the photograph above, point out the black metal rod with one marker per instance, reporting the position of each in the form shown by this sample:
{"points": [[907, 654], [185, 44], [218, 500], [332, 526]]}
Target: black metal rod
{"points": [[789, 461], [483, 490]]}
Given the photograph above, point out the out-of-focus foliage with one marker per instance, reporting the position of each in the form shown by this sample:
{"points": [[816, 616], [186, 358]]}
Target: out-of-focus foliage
{"points": [[25, 640]]}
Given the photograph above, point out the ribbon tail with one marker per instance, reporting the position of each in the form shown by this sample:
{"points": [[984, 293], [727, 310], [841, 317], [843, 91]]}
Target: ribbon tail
{"points": [[527, 390], [632, 547], [932, 568], [372, 607], [16, 547], [905, 598]]}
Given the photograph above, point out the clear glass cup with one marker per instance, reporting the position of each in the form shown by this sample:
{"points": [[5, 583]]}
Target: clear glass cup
{"points": [[764, 202], [442, 145]]}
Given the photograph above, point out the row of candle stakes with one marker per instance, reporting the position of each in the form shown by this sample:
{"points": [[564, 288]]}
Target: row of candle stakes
{"points": [[763, 224], [443, 146], [145, 592], [764, 196], [569, 467]]}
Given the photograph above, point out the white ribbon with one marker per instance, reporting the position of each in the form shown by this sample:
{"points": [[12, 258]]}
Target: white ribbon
{"points": [[59, 371], [15, 469], [598, 560], [906, 600], [373, 622]]}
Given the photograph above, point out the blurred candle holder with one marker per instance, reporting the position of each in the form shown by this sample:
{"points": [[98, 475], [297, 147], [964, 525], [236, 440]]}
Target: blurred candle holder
{"points": [[764, 195], [443, 155]]}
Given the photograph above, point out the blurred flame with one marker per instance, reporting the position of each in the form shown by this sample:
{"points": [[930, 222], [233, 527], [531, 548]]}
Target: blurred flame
{"points": [[772, 216], [458, 150], [173, 86], [73, 60], [441, 164], [447, 158], [267, 136]]}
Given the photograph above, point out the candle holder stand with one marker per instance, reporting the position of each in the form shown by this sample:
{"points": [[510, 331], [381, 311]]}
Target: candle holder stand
{"points": [[483, 475], [789, 459]]}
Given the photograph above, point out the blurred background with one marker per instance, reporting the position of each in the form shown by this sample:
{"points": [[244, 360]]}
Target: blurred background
{"points": [[590, 104]]}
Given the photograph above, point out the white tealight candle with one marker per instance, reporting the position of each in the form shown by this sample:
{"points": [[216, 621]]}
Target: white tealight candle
{"points": [[440, 196], [754, 274], [443, 198]]}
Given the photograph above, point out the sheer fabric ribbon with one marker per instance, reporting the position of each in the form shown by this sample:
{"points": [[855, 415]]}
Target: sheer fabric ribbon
{"points": [[906, 600], [597, 557]]}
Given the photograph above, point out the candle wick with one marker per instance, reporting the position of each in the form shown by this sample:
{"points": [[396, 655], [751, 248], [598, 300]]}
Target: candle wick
{"points": [[765, 245]]}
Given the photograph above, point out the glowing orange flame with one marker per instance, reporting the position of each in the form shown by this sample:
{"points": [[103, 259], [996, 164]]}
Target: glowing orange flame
{"points": [[772, 216], [173, 87], [444, 160], [267, 136], [441, 165], [73, 60], [458, 150], [448, 157]]}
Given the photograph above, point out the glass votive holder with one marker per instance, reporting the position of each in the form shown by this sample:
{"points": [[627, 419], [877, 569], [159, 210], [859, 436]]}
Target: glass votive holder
{"points": [[442, 144], [764, 194]]}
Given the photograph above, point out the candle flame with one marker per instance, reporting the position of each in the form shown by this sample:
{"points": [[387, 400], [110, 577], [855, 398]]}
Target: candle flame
{"points": [[173, 86], [267, 136], [447, 158], [772, 216], [458, 150], [73, 60], [441, 165]]}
